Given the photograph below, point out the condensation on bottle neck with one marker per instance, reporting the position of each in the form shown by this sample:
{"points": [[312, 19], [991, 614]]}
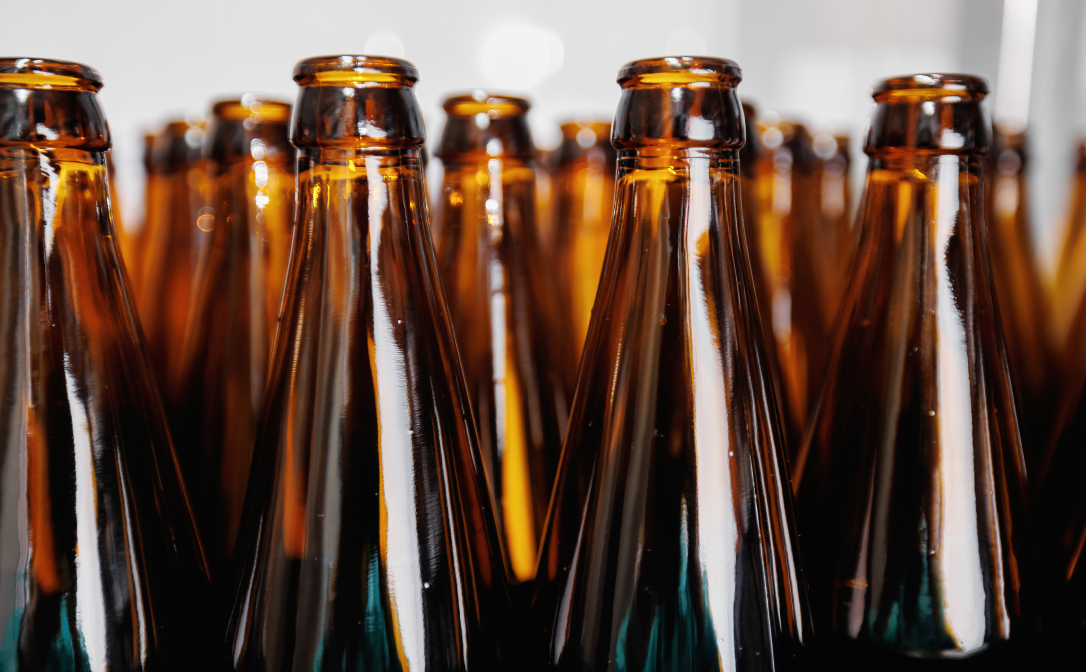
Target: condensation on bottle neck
{"points": [[48, 104], [356, 101], [681, 102], [930, 113], [484, 125]]}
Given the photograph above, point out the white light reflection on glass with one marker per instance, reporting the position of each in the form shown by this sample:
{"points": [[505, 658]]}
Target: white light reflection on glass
{"points": [[717, 525], [958, 558]]}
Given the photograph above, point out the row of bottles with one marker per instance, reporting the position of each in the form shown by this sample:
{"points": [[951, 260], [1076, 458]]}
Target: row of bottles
{"points": [[374, 450]]}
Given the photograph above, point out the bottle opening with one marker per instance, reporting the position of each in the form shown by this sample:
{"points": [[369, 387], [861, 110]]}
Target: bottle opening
{"points": [[671, 71], [357, 71], [254, 109], [931, 86], [583, 130], [47, 74], [491, 104]]}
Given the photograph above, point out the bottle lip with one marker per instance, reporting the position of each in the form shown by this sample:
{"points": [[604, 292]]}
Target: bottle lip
{"points": [[253, 108], [484, 102], [356, 70], [670, 71], [931, 85], [47, 74], [570, 129]]}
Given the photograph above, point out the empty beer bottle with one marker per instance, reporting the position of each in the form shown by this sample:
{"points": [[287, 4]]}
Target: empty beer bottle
{"points": [[1070, 280], [367, 540], [102, 568], [585, 189], [805, 240], [1019, 290], [236, 293], [913, 499], [669, 542], [176, 191], [507, 324]]}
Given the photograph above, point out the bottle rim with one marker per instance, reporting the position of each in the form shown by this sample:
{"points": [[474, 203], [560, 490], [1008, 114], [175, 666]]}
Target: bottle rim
{"points": [[671, 71], [47, 74], [600, 127], [484, 102], [253, 108], [356, 70], [931, 85]]}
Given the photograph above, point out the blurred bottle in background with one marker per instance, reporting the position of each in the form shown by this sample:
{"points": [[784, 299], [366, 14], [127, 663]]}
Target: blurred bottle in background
{"points": [[912, 496], [546, 176], [1070, 278], [1019, 290], [367, 541], [805, 241], [584, 195], [236, 295], [499, 289], [102, 566], [176, 193], [651, 556]]}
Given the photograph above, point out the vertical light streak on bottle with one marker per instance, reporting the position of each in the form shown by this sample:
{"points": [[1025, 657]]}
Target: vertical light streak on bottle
{"points": [[717, 530], [399, 531], [958, 557], [90, 611]]}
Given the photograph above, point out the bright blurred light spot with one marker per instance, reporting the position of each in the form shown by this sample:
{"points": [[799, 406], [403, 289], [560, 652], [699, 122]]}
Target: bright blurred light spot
{"points": [[586, 137], [520, 57], [686, 41], [384, 44], [482, 120]]}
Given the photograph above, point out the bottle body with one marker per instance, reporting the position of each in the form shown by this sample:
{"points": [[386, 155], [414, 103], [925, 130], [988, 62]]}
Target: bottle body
{"points": [[912, 495], [104, 567], [585, 197], [237, 290], [176, 192], [669, 542], [367, 535], [510, 333]]}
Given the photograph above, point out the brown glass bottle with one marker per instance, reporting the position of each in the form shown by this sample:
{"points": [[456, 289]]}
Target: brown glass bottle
{"points": [[1061, 510], [176, 191], [511, 335], [101, 567], [669, 542], [585, 194], [1019, 290], [1070, 281], [913, 502], [367, 540], [236, 294], [805, 241]]}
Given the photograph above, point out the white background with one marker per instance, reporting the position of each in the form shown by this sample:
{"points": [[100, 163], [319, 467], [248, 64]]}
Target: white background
{"points": [[811, 59]]}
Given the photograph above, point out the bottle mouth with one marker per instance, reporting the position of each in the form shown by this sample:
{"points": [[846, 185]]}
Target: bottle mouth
{"points": [[576, 130], [494, 105], [928, 86], [357, 71], [252, 108], [672, 71], [48, 74]]}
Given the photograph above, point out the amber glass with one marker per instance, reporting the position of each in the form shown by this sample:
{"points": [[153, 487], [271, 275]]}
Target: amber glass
{"points": [[367, 539], [176, 191], [236, 293], [669, 542], [913, 499], [1070, 281], [585, 177], [1061, 518], [1019, 290], [805, 241], [100, 565], [501, 298], [546, 176]]}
